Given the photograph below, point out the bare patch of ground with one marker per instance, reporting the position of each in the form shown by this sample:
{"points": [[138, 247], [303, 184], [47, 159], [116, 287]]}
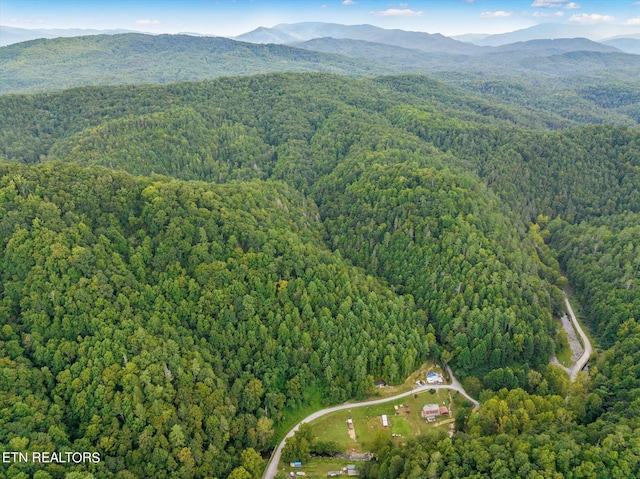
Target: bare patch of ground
{"points": [[574, 343], [354, 456]]}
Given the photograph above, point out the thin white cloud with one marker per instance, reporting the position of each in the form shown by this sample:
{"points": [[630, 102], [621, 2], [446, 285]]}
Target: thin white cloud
{"points": [[403, 5], [591, 18], [395, 12], [633, 21], [547, 3], [348, 2], [498, 14], [147, 22], [544, 14], [572, 6], [26, 21]]}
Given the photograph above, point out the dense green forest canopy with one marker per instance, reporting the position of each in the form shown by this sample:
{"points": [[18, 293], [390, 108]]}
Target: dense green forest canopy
{"points": [[285, 126], [179, 319], [298, 236], [133, 58], [576, 79]]}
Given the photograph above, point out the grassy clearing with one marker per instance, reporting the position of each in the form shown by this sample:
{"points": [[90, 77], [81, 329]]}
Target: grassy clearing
{"points": [[410, 382], [314, 401], [291, 417], [563, 350], [368, 424], [367, 421]]}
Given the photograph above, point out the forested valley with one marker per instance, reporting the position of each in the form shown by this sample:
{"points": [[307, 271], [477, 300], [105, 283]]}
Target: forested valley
{"points": [[184, 267]]}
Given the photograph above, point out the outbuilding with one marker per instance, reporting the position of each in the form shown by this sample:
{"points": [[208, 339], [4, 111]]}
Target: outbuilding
{"points": [[352, 471]]}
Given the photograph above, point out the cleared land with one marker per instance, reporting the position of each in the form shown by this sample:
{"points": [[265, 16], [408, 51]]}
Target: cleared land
{"points": [[410, 382], [457, 391], [367, 421], [368, 424]]}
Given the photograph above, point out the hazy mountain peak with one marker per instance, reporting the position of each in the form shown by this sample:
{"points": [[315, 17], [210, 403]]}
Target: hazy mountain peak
{"points": [[304, 31], [550, 31]]}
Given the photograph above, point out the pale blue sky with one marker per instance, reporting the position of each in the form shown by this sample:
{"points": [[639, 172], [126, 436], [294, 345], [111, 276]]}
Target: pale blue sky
{"points": [[232, 17]]}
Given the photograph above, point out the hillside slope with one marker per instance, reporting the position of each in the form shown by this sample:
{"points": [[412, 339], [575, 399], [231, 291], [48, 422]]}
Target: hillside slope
{"points": [[325, 232], [132, 58], [169, 325], [576, 64]]}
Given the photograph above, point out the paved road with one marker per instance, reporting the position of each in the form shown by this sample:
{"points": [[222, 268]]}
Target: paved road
{"points": [[272, 468], [582, 360]]}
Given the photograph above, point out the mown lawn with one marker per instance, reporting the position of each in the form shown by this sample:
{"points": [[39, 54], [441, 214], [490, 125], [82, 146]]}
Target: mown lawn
{"points": [[368, 423]]}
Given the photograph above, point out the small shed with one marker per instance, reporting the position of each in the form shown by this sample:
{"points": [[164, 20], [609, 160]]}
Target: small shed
{"points": [[385, 421], [352, 471], [444, 411]]}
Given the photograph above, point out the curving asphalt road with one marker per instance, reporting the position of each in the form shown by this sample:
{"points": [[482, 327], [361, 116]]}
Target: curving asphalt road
{"points": [[272, 467], [586, 354]]}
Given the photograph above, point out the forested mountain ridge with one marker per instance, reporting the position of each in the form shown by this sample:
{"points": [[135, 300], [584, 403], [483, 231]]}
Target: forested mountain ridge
{"points": [[273, 104], [10, 35], [317, 143], [185, 319], [245, 128], [217, 131], [575, 64], [428, 232], [541, 172], [134, 58]]}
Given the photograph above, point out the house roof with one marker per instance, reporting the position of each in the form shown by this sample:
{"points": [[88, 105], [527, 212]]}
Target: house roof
{"points": [[430, 407]]}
